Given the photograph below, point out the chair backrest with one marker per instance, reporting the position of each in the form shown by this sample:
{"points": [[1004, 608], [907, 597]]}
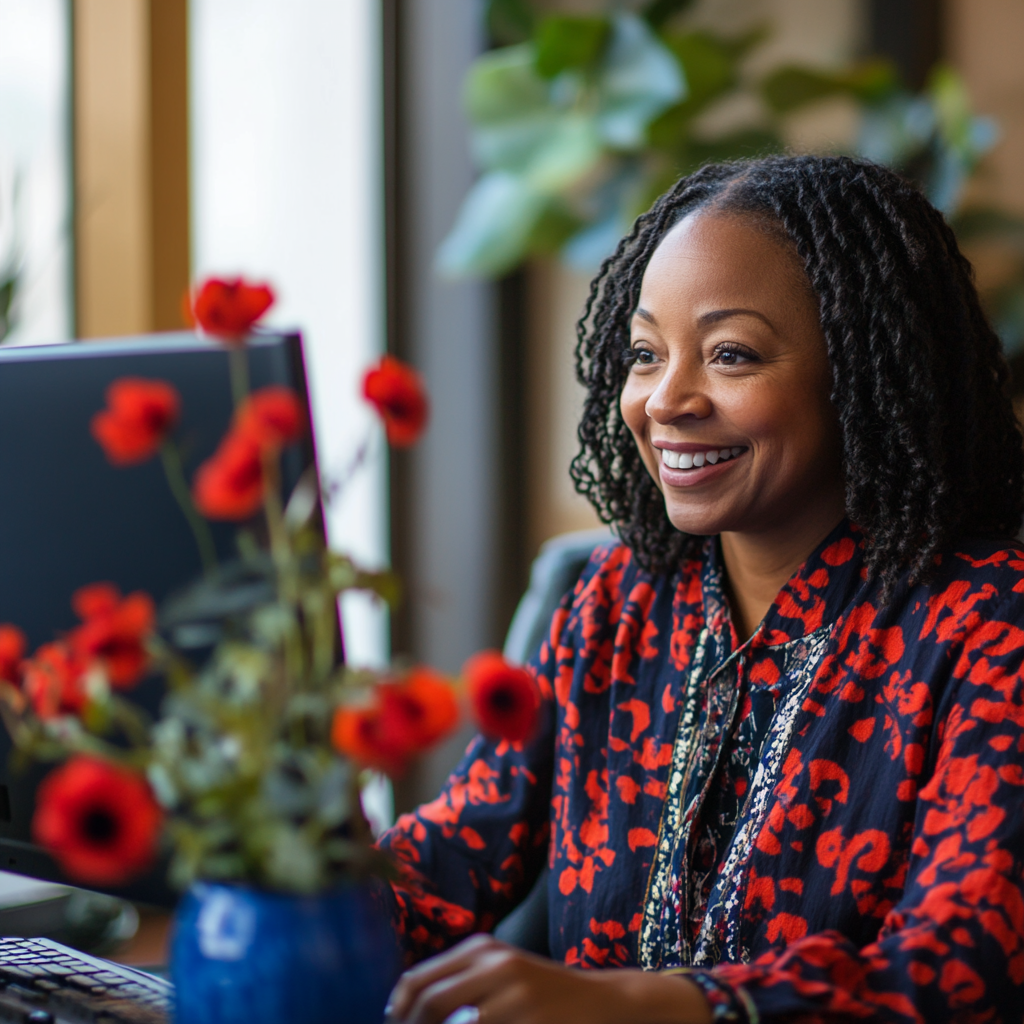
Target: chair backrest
{"points": [[554, 571]]}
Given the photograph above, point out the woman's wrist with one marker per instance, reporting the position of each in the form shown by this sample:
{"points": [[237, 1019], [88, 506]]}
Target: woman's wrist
{"points": [[653, 997]]}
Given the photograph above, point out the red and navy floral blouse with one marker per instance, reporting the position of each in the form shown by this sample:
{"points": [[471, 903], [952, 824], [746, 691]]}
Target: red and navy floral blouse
{"points": [[825, 821]]}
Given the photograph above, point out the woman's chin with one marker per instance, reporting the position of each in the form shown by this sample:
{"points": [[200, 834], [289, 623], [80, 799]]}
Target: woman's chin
{"points": [[699, 525]]}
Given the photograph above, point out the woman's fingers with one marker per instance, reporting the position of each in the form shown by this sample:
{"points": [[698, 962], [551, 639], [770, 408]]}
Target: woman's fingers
{"points": [[436, 971], [507, 986]]}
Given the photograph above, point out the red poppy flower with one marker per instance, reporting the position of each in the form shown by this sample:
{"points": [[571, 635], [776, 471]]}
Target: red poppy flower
{"points": [[504, 696], [228, 309], [138, 416], [400, 398], [53, 680], [229, 485], [404, 719], [272, 417], [99, 821], [114, 631], [12, 652], [430, 702]]}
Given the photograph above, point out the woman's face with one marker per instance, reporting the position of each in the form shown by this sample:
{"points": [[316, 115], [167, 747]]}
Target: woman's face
{"points": [[728, 395]]}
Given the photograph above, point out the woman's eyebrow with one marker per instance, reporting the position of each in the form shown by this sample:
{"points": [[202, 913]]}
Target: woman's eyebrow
{"points": [[644, 315], [715, 316]]}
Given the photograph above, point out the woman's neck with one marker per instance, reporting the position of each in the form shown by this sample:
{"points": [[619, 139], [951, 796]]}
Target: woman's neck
{"points": [[758, 565]]}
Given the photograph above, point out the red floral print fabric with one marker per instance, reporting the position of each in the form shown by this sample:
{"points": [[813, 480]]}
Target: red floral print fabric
{"points": [[870, 869]]}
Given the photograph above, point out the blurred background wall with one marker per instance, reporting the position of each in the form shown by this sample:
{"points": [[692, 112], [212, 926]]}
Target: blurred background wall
{"points": [[326, 147]]}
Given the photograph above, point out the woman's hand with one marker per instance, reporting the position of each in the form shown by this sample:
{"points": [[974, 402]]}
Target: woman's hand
{"points": [[508, 986]]}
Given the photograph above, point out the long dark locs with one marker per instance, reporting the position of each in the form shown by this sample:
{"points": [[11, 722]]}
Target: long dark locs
{"points": [[931, 449]]}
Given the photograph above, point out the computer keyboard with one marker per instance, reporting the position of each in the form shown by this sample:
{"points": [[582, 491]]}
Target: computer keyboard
{"points": [[43, 982]]}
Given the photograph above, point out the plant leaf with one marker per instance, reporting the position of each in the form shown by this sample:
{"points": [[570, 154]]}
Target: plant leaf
{"points": [[492, 228], [503, 85], [567, 43], [792, 87], [657, 12], [509, 21], [640, 78], [708, 64]]}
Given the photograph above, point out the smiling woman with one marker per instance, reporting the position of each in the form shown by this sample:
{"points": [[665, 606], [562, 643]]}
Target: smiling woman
{"points": [[728, 357], [778, 770]]}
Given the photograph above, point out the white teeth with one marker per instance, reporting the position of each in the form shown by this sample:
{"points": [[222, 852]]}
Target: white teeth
{"points": [[692, 460]]}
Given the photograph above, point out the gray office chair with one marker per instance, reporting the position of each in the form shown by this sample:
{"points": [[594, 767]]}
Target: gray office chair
{"points": [[554, 571]]}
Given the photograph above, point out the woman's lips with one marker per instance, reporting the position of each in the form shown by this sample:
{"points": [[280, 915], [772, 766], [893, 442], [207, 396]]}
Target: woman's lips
{"points": [[714, 462]]}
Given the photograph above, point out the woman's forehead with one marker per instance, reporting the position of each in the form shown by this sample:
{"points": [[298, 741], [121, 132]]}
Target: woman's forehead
{"points": [[709, 259]]}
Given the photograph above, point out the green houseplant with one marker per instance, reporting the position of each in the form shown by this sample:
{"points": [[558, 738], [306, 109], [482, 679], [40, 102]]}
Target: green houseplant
{"points": [[249, 779], [578, 122]]}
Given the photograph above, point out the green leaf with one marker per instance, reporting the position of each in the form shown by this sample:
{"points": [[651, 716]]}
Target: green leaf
{"points": [[639, 80], [493, 227], [657, 12], [567, 43], [792, 87], [503, 85], [739, 46], [709, 66], [509, 21], [960, 129], [386, 585], [513, 144], [897, 130], [556, 225], [7, 288], [569, 154]]}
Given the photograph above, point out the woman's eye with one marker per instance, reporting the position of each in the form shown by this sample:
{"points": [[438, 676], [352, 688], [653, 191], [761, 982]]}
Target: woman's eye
{"points": [[642, 356], [732, 357]]}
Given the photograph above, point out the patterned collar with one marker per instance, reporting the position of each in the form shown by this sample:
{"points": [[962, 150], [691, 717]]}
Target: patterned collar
{"points": [[815, 595]]}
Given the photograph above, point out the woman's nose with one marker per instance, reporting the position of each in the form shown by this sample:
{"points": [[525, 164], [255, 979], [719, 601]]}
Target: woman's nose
{"points": [[679, 393]]}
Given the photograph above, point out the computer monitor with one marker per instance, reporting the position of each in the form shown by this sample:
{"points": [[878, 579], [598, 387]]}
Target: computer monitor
{"points": [[68, 517]]}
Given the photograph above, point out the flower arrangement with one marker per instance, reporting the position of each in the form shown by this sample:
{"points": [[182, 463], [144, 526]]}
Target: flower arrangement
{"points": [[252, 770]]}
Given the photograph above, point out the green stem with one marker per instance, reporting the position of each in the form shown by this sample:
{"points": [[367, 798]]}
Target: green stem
{"points": [[179, 488], [284, 563], [238, 365], [279, 546]]}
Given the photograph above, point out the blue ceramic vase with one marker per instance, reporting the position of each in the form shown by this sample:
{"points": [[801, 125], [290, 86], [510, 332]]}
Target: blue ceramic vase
{"points": [[246, 955]]}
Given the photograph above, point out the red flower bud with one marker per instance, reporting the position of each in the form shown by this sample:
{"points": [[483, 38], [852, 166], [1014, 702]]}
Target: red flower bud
{"points": [[12, 652], [53, 680], [138, 416], [228, 309], [272, 417], [229, 485], [504, 696], [100, 822], [114, 631], [397, 392], [404, 719]]}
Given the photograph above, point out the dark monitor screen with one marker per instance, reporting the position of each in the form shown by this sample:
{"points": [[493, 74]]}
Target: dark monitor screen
{"points": [[68, 517]]}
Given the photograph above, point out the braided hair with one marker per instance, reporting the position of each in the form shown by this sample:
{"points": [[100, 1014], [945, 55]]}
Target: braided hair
{"points": [[931, 448]]}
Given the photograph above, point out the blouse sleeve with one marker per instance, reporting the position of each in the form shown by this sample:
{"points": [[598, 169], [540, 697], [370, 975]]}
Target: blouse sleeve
{"points": [[953, 948], [467, 858]]}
